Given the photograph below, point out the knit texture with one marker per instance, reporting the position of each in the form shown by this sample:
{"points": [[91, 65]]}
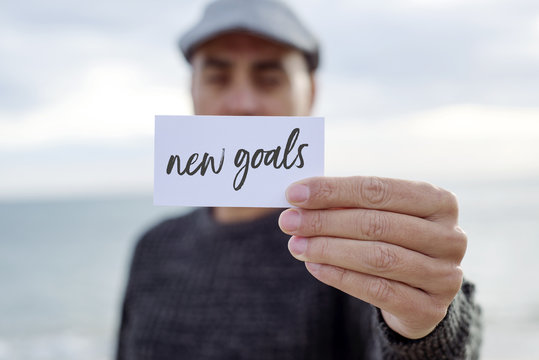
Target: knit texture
{"points": [[198, 289], [458, 336]]}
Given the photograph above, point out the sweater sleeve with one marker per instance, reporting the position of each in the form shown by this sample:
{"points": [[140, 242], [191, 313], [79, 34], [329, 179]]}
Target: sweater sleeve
{"points": [[458, 336]]}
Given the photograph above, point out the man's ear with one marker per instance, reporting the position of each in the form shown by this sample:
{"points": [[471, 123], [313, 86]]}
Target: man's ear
{"points": [[312, 80], [192, 87], [192, 79]]}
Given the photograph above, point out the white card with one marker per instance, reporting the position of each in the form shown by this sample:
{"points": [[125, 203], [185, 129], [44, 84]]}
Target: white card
{"points": [[244, 161]]}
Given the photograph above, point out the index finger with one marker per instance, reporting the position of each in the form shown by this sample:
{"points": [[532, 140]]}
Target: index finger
{"points": [[368, 192]]}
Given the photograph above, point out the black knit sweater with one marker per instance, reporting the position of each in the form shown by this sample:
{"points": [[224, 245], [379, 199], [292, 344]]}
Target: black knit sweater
{"points": [[203, 290]]}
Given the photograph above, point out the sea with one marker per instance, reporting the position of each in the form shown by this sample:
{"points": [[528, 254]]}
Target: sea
{"points": [[64, 263]]}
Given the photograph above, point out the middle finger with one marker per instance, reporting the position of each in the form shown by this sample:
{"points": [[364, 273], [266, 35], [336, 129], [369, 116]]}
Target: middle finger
{"points": [[411, 232]]}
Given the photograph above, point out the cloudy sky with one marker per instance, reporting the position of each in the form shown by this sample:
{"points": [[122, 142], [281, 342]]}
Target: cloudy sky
{"points": [[428, 89]]}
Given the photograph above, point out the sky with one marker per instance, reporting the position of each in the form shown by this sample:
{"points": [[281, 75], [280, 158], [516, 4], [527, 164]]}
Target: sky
{"points": [[438, 90]]}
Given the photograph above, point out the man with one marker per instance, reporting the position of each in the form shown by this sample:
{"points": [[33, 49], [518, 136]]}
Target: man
{"points": [[220, 284]]}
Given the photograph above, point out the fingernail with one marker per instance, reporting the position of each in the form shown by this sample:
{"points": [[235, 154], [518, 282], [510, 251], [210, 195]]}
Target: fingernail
{"points": [[289, 220], [297, 193], [297, 245]]}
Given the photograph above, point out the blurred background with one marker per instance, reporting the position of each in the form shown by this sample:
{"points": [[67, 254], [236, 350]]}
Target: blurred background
{"points": [[445, 91]]}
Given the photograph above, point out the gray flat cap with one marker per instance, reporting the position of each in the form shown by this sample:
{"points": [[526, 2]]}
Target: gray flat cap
{"points": [[271, 19]]}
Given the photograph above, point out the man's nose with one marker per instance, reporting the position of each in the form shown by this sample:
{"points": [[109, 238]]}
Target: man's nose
{"points": [[242, 100]]}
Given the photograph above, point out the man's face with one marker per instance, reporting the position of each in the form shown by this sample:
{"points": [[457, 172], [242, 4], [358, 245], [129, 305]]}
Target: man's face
{"points": [[240, 74]]}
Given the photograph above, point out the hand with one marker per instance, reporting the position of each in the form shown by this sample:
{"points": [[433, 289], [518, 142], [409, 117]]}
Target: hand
{"points": [[393, 243]]}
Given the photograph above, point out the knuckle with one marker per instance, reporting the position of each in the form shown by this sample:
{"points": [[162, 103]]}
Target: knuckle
{"points": [[457, 241], [324, 248], [460, 241], [432, 311], [375, 225], [455, 281], [341, 276], [381, 290], [450, 280], [315, 222], [384, 258], [436, 312], [448, 202], [323, 189], [374, 190]]}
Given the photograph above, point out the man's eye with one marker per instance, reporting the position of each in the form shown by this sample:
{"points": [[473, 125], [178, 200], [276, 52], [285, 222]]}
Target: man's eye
{"points": [[269, 81], [216, 79]]}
